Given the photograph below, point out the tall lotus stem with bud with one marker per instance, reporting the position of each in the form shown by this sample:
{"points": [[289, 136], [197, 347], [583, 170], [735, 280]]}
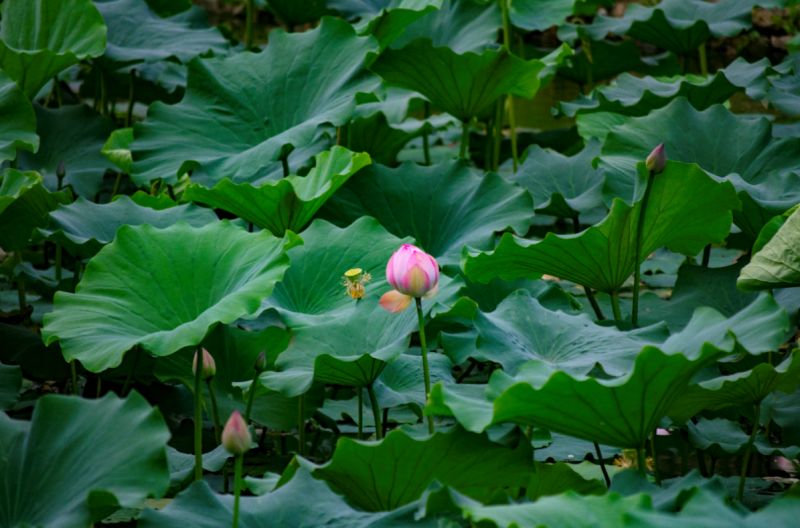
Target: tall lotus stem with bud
{"points": [[236, 439], [198, 413], [655, 164], [208, 371], [414, 275]]}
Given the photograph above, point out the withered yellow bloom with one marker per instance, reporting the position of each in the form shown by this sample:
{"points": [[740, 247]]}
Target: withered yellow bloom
{"points": [[354, 280]]}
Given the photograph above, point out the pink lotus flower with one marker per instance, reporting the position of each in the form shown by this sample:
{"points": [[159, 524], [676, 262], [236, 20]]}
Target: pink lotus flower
{"points": [[236, 435], [209, 365], [413, 274]]}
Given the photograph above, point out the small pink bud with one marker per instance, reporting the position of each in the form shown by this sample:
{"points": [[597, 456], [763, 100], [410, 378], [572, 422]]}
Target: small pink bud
{"points": [[209, 366], [261, 362], [412, 272], [657, 159], [236, 435]]}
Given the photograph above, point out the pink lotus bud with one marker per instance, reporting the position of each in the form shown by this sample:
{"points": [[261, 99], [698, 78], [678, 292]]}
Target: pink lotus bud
{"points": [[657, 159], [261, 362], [412, 272], [209, 366], [236, 435]]}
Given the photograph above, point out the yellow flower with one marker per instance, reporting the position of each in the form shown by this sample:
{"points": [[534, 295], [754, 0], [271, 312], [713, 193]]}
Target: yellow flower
{"points": [[354, 280]]}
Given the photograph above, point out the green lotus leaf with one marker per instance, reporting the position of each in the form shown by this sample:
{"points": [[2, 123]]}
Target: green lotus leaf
{"points": [[395, 471], [118, 149], [200, 507], [463, 85], [776, 264], [385, 19], [724, 438], [743, 388], [785, 86], [444, 207], [79, 460], [136, 33], [287, 204], [602, 256], [24, 206], [72, 135], [163, 290], [621, 411], [234, 126], [563, 186], [380, 139], [18, 130], [84, 227], [596, 61], [742, 150], [533, 15], [461, 25], [40, 38], [10, 384], [294, 12], [680, 26], [637, 96]]}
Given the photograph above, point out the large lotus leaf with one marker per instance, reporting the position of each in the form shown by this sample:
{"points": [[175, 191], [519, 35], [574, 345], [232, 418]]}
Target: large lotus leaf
{"points": [[387, 474], [72, 135], [464, 85], [233, 125], [386, 19], [401, 381], [79, 460], [18, 128], [10, 383], [163, 290], [287, 204], [444, 207], [637, 96], [724, 437], [461, 25], [39, 38], [764, 170], [304, 502], [535, 15], [740, 389], [564, 186], [777, 264], [336, 339], [24, 205], [679, 26], [84, 227], [135, 33], [602, 60], [785, 86], [117, 149], [602, 256], [620, 412]]}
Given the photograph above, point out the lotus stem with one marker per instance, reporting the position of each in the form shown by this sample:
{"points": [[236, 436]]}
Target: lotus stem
{"points": [[376, 411], [641, 461], [701, 52], [237, 488], [655, 457], [426, 148], [198, 421], [748, 451], [706, 255], [598, 312], [509, 99], [615, 306], [497, 138], [301, 425], [637, 256], [602, 464], [249, 23], [426, 373], [285, 165], [360, 413], [215, 411], [131, 99], [126, 387], [464, 147], [250, 397], [73, 371]]}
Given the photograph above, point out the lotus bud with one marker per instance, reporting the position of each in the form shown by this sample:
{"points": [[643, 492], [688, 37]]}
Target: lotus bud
{"points": [[657, 159], [354, 280], [236, 436], [209, 368], [413, 274], [261, 362]]}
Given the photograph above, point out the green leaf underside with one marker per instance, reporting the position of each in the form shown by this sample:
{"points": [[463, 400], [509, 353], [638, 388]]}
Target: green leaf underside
{"points": [[777, 264], [137, 290], [18, 126]]}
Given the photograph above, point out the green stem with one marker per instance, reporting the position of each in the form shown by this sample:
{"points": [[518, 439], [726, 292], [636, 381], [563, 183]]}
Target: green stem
{"points": [[360, 413], [301, 425], [615, 306], [655, 457], [103, 93], [497, 138], [598, 312], [131, 100], [602, 464], [126, 387], [701, 52], [706, 255], [426, 373], [117, 181], [250, 397], [748, 451], [464, 148], [198, 419], [237, 488], [376, 411], [426, 148], [215, 411], [509, 99], [73, 370], [641, 461], [248, 31], [285, 165], [637, 256]]}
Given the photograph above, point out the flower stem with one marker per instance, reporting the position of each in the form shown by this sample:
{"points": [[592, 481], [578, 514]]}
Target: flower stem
{"points": [[248, 30], [615, 306], [655, 457], [701, 52], [376, 411], [497, 138], [426, 373], [637, 256], [706, 255], [198, 420], [593, 302], [748, 451], [602, 464], [301, 425], [237, 488], [426, 148], [360, 413], [464, 149], [214, 411], [285, 165], [250, 397], [504, 6], [74, 375]]}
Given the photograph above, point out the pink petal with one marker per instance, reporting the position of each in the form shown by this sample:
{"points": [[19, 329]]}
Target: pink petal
{"points": [[393, 301]]}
